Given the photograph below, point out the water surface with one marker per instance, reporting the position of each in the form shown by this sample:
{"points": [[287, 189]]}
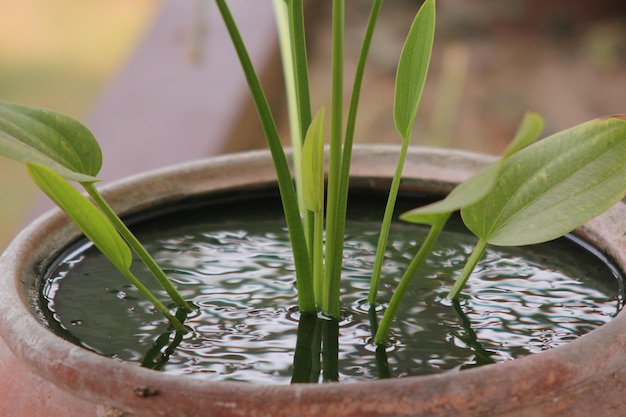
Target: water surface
{"points": [[234, 262]]}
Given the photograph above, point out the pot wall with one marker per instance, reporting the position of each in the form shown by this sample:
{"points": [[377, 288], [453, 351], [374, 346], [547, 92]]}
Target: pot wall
{"points": [[44, 375]]}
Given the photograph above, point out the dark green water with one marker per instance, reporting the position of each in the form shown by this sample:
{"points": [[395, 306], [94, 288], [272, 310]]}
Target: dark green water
{"points": [[240, 274]]}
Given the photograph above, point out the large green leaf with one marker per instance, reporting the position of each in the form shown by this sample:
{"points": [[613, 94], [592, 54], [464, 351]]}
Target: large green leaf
{"points": [[555, 185], [480, 184], [44, 137], [413, 67], [89, 219]]}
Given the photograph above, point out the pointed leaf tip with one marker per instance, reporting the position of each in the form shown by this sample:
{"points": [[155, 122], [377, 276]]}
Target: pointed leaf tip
{"points": [[413, 68]]}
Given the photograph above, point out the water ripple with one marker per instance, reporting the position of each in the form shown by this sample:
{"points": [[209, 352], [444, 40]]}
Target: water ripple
{"points": [[519, 301]]}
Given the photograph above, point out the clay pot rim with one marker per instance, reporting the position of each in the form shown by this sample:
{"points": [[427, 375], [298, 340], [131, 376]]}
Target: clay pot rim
{"points": [[53, 358]]}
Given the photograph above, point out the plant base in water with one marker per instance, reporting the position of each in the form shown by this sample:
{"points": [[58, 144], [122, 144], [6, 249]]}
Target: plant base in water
{"points": [[237, 268]]}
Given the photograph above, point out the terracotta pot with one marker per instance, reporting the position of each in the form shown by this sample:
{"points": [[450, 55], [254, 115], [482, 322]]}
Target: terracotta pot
{"points": [[44, 375]]}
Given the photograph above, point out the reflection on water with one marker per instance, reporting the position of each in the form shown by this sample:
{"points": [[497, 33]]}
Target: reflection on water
{"points": [[240, 276]]}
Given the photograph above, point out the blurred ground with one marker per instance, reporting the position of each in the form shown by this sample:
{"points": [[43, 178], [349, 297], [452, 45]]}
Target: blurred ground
{"points": [[58, 54], [492, 61]]}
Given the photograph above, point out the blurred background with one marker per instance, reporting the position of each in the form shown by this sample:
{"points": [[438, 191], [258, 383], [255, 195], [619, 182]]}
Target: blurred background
{"points": [[157, 83], [59, 54]]}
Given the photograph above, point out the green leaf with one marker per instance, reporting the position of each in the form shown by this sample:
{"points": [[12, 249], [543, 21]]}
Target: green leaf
{"points": [[413, 67], [91, 221], [44, 137], [313, 164], [555, 185], [527, 132], [480, 184], [468, 192]]}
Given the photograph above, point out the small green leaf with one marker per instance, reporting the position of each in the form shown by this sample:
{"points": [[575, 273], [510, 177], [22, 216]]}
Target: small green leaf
{"points": [[313, 164], [91, 221], [413, 67], [44, 137], [468, 192], [555, 185], [527, 132], [480, 184]]}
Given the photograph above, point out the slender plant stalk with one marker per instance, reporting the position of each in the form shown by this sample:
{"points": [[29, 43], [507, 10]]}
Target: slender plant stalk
{"points": [[300, 63], [342, 203], [332, 280], [178, 326], [382, 363], [304, 279], [385, 324], [318, 256], [139, 249], [410, 80], [356, 93], [470, 265], [300, 71], [386, 225], [282, 24]]}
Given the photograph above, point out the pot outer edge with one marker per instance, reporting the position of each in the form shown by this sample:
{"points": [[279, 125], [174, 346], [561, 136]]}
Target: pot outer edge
{"points": [[576, 379]]}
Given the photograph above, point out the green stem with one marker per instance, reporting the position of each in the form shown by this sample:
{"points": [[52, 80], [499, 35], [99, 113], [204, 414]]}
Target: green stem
{"points": [[342, 203], [386, 225], [356, 89], [296, 59], [383, 329], [178, 326], [470, 265], [382, 362], [300, 74], [304, 278], [139, 249], [286, 51], [318, 256], [300, 63], [332, 279]]}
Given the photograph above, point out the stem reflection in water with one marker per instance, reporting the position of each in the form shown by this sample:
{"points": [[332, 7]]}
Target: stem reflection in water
{"points": [[162, 348], [483, 356], [306, 361], [317, 350], [382, 362]]}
